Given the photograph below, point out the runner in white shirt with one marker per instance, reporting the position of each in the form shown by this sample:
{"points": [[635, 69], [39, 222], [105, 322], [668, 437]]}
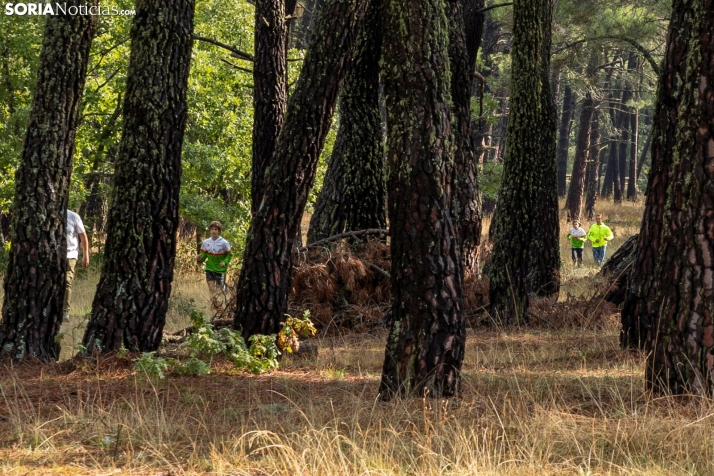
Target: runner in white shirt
{"points": [[76, 238]]}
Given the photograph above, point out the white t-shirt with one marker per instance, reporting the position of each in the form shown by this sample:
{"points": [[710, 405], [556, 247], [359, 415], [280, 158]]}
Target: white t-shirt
{"points": [[74, 228]]}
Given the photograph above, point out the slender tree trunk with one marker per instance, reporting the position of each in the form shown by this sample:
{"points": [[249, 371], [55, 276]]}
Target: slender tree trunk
{"points": [[592, 180], [643, 154], [564, 139], [466, 199], [269, 89], [354, 190], [130, 305], [574, 201], [528, 200], [669, 296], [265, 277], [635, 128], [35, 280], [425, 347]]}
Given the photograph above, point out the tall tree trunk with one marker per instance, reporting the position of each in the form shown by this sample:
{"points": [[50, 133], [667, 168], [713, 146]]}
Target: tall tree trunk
{"points": [[269, 90], [425, 347], [643, 155], [669, 296], [592, 179], [623, 127], [34, 284], [528, 199], [635, 129], [466, 199], [132, 296], [265, 277], [566, 118], [574, 201], [354, 190], [638, 313]]}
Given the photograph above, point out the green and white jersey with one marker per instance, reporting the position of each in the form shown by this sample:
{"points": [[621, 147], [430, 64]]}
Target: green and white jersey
{"points": [[215, 252]]}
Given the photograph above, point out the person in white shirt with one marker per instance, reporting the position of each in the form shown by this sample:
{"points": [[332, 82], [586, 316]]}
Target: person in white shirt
{"points": [[76, 238]]}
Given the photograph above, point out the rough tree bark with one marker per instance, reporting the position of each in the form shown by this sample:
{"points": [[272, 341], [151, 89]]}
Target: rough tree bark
{"points": [[132, 296], [265, 279], [574, 202], [466, 199], [526, 263], [566, 118], [425, 347], [354, 190], [269, 89], [35, 280], [669, 301]]}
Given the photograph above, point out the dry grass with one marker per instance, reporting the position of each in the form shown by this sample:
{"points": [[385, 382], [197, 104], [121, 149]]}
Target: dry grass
{"points": [[559, 400], [533, 402]]}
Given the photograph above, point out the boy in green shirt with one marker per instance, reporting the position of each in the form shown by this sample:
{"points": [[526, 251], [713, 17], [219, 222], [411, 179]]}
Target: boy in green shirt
{"points": [[216, 252], [576, 236]]}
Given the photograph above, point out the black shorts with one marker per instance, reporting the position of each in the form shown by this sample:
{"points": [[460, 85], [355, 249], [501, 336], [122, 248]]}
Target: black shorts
{"points": [[577, 254], [219, 278]]}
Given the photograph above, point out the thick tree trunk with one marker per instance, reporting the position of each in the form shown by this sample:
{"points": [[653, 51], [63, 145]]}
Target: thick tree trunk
{"points": [[635, 129], [354, 190], [574, 201], [566, 118], [35, 280], [425, 347], [592, 179], [269, 90], [130, 305], [669, 294], [265, 277], [529, 262], [466, 199]]}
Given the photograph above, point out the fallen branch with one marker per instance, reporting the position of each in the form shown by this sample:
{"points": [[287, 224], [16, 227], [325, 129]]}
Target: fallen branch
{"points": [[370, 231]]}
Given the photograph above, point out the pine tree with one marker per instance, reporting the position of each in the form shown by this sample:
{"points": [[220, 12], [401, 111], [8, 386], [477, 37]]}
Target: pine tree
{"points": [[132, 296], [425, 347], [525, 227], [265, 277], [35, 281], [668, 304]]}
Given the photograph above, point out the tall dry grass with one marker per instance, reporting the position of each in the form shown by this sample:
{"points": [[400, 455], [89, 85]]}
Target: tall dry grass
{"points": [[550, 403]]}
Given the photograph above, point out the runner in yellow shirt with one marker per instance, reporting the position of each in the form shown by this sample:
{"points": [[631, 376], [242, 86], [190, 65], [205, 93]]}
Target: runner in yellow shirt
{"points": [[598, 235]]}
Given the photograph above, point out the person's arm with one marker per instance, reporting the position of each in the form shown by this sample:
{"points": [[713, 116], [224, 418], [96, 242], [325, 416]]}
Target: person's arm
{"points": [[609, 236], [202, 255], [84, 244], [227, 259]]}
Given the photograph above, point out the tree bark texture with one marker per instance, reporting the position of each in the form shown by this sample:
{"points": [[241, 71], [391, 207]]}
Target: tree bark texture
{"points": [[34, 284], [425, 347], [466, 199], [592, 179], [265, 277], [574, 202], [669, 301], [131, 301], [529, 262], [566, 118], [353, 196], [635, 130], [269, 89], [643, 154]]}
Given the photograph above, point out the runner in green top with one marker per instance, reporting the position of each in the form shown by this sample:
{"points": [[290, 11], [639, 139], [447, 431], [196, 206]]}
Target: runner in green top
{"points": [[576, 236], [599, 234], [217, 254]]}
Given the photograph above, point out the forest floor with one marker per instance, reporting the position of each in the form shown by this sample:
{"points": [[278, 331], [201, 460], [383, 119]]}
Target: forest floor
{"points": [[534, 401]]}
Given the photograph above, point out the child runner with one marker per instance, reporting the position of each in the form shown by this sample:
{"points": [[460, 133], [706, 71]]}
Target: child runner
{"points": [[576, 236], [216, 252]]}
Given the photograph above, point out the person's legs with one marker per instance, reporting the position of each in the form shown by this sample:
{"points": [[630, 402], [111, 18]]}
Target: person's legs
{"points": [[71, 263], [574, 255], [602, 255], [599, 255], [578, 253]]}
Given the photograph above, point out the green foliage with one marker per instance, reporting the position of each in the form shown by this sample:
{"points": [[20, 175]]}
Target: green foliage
{"points": [[490, 179], [152, 366], [292, 329], [205, 343]]}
